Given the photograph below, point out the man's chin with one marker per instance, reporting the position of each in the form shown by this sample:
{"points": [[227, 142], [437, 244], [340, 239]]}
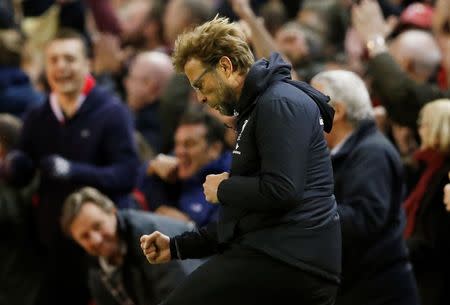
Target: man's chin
{"points": [[225, 111], [184, 174]]}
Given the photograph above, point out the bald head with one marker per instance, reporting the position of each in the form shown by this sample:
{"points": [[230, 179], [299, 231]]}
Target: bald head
{"points": [[156, 64], [148, 75], [417, 53]]}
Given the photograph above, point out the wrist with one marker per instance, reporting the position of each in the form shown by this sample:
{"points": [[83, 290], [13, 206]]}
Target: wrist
{"points": [[376, 45]]}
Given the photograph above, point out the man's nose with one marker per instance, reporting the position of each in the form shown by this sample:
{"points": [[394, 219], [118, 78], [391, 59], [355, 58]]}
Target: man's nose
{"points": [[200, 97], [60, 63], [95, 239]]}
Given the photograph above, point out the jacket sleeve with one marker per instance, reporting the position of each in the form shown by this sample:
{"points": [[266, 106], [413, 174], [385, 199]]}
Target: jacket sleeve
{"points": [[195, 244], [366, 199], [119, 149], [401, 96], [283, 133]]}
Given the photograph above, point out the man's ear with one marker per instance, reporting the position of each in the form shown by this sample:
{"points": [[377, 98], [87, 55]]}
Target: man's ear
{"points": [[226, 66], [340, 111]]}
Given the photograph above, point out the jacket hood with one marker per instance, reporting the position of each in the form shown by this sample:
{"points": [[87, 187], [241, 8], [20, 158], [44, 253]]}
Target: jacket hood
{"points": [[265, 72], [261, 75]]}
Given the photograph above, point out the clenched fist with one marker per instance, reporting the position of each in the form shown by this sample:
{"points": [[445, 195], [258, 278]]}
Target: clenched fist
{"points": [[156, 247], [211, 186]]}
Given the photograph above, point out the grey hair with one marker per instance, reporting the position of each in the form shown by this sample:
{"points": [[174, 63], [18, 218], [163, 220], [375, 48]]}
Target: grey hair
{"points": [[75, 201], [348, 88], [421, 47], [159, 66]]}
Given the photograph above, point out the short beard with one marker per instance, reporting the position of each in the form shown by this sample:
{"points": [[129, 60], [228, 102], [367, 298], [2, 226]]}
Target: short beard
{"points": [[227, 99]]}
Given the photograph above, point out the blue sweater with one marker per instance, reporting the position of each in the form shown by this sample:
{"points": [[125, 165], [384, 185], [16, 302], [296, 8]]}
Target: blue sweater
{"points": [[98, 142], [186, 195], [17, 94]]}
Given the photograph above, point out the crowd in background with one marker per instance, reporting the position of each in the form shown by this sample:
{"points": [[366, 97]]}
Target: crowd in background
{"points": [[140, 140]]}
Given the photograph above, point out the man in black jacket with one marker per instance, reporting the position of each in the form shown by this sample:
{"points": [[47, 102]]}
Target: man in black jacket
{"points": [[278, 235], [368, 186]]}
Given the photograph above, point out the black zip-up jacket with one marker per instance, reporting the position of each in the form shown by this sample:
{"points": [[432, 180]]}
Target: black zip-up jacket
{"points": [[279, 197]]}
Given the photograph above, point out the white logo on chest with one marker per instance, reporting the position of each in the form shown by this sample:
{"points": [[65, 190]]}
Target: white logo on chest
{"points": [[236, 151], [85, 133], [197, 207]]}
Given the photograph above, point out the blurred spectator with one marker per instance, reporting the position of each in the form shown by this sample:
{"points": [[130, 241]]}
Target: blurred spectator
{"points": [[183, 14], [119, 273], [421, 63], [179, 16], [326, 18], [19, 263], [402, 86], [6, 14], [414, 16], [141, 30], [17, 94], [71, 13], [147, 78], [274, 15], [368, 186], [175, 185], [142, 24], [428, 222], [302, 47], [80, 136]]}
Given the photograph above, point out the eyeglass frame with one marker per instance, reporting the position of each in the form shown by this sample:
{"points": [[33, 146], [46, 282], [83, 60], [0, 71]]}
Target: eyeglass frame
{"points": [[195, 84]]}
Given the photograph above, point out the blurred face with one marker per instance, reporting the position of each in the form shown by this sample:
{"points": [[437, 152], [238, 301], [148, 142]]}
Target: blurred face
{"points": [[192, 149], [210, 87], [175, 20], [292, 44], [66, 66], [137, 85], [95, 231], [133, 19]]}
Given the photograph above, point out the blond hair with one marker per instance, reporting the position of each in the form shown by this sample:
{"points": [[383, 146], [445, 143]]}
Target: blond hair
{"points": [[75, 201], [211, 41], [436, 115]]}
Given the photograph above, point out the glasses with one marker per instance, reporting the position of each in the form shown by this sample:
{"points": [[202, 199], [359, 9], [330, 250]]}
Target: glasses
{"points": [[196, 84]]}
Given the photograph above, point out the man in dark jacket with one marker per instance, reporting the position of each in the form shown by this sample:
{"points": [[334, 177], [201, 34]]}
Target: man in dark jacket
{"points": [[146, 79], [278, 235], [368, 186], [19, 265], [120, 273], [80, 136]]}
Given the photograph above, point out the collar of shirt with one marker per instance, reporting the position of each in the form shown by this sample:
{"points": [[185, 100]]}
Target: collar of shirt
{"points": [[338, 147], [106, 266], [56, 108]]}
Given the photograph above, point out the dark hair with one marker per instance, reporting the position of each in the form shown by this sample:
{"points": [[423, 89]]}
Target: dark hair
{"points": [[156, 14], [10, 127], [200, 10], [195, 115], [11, 42], [69, 33]]}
